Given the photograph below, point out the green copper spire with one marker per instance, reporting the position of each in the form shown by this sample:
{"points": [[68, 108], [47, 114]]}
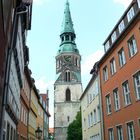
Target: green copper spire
{"points": [[67, 25]]}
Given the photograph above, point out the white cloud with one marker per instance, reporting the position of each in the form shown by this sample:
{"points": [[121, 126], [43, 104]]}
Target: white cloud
{"points": [[90, 61], [125, 3], [42, 85]]}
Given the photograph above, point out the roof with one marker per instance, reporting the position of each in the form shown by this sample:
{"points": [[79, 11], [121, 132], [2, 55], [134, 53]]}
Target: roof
{"points": [[67, 24]]}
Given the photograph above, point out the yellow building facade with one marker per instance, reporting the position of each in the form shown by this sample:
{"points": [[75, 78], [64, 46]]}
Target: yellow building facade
{"points": [[33, 114], [90, 109]]}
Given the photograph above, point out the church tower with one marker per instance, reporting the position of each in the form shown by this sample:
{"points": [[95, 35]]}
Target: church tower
{"points": [[67, 87]]}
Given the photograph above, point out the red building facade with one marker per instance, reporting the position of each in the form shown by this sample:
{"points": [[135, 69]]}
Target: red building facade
{"points": [[120, 78], [25, 106]]}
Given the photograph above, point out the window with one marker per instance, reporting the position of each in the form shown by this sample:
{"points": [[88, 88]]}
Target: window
{"points": [[95, 137], [8, 131], [116, 99], [122, 60], [88, 120], [98, 113], [68, 95], [67, 76], [113, 37], [11, 137], [132, 47], [137, 85], [110, 134], [138, 3], [130, 131], [130, 14], [119, 132], [139, 124], [121, 26], [68, 118], [91, 119], [67, 37], [112, 66], [108, 104], [105, 73], [95, 116], [107, 46], [126, 92]]}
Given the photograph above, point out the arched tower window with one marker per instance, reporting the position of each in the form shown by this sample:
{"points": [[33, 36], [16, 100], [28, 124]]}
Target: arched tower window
{"points": [[67, 37], [67, 76], [68, 95]]}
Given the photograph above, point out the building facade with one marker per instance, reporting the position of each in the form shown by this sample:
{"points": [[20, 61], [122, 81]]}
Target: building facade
{"points": [[67, 87], [33, 113], [46, 114], [15, 61], [40, 117], [90, 108], [120, 78], [25, 105]]}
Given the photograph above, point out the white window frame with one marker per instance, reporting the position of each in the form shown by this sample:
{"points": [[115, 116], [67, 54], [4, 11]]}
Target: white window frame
{"points": [[113, 37], [119, 132], [130, 131], [116, 99], [122, 60], [108, 104], [113, 66], [105, 73], [126, 93], [94, 116], [132, 46], [137, 85], [121, 26], [110, 134], [107, 46], [130, 14]]}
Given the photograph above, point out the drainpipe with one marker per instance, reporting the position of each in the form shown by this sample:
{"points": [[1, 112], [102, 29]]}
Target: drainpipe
{"points": [[8, 62]]}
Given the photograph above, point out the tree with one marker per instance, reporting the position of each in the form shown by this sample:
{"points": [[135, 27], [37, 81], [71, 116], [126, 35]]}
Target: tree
{"points": [[75, 128]]}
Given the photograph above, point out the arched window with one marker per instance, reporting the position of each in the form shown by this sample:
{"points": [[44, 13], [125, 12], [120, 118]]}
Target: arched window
{"points": [[67, 37], [67, 76], [68, 95]]}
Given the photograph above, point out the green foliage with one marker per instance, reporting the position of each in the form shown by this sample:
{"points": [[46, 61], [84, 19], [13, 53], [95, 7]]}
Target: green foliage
{"points": [[75, 128]]}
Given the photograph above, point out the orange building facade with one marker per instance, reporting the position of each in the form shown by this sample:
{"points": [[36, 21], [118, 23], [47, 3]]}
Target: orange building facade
{"points": [[120, 78]]}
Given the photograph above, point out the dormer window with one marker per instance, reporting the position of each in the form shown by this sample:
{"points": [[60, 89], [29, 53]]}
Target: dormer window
{"points": [[67, 37], [121, 26], [107, 46], [130, 14], [113, 37]]}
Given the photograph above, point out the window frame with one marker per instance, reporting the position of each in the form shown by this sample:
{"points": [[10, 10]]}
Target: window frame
{"points": [[125, 94], [130, 14], [118, 133], [112, 134], [121, 26], [113, 37], [122, 58], [132, 46], [137, 86], [68, 95], [108, 104], [112, 66], [116, 100], [128, 130], [107, 46], [105, 73]]}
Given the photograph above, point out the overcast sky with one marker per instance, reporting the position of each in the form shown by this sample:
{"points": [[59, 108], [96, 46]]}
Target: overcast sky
{"points": [[93, 21]]}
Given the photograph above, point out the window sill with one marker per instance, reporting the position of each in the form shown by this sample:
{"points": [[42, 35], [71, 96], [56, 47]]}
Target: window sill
{"points": [[127, 105]]}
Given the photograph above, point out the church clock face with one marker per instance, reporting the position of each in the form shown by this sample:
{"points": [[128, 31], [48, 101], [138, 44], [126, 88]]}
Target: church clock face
{"points": [[67, 58]]}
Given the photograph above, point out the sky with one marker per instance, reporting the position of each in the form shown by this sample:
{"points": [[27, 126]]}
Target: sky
{"points": [[93, 21]]}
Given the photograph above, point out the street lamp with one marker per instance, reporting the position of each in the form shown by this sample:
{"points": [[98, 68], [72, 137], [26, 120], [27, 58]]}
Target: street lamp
{"points": [[38, 133]]}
